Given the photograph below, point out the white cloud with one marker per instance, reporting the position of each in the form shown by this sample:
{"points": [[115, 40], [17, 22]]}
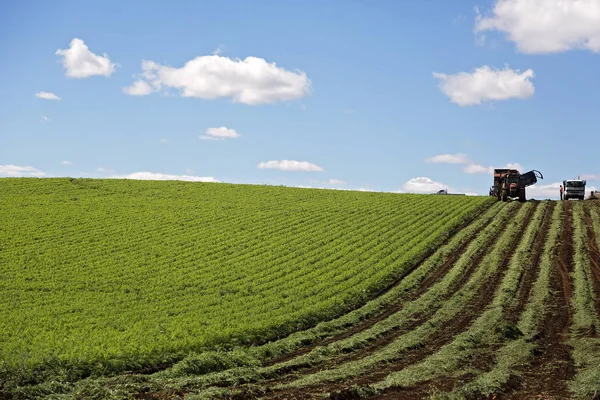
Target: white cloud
{"points": [[164, 141], [217, 51], [189, 171], [45, 119], [250, 81], [331, 181], [546, 26], [105, 170], [486, 84], [220, 133], [138, 88], [591, 177], [544, 191], [66, 162], [515, 165], [47, 96], [151, 176], [480, 169], [448, 159], [18, 171], [290, 165], [470, 167], [80, 62], [423, 185]]}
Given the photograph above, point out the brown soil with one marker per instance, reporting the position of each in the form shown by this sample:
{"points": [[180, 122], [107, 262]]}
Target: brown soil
{"points": [[487, 359], [393, 334], [552, 365], [530, 275], [444, 336], [594, 255], [392, 308]]}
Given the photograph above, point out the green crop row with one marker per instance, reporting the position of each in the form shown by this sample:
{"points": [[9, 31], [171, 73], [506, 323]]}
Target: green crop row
{"points": [[417, 337], [584, 337], [487, 328], [517, 352], [242, 364], [98, 277]]}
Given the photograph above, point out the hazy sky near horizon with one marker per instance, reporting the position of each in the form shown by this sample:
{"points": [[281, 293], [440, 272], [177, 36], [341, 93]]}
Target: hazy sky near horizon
{"points": [[373, 95]]}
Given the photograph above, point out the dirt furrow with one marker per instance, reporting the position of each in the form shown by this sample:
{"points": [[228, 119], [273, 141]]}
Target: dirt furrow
{"points": [[393, 334], [485, 361], [594, 254], [471, 311], [434, 277], [552, 364], [529, 276]]}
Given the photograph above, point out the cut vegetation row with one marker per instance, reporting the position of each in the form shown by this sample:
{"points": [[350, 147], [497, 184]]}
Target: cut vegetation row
{"points": [[327, 294]]}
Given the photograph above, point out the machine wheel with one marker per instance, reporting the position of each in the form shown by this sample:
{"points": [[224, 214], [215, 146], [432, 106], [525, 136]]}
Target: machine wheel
{"points": [[522, 197]]}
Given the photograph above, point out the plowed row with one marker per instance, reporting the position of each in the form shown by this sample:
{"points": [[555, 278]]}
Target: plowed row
{"points": [[104, 277], [509, 307]]}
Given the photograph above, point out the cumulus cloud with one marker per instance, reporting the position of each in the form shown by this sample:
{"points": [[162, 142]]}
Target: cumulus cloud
{"points": [[331, 181], [80, 62], [423, 185], [545, 26], [138, 88], [480, 169], [10, 170], [47, 96], [152, 176], [470, 167], [43, 118], [66, 162], [548, 191], [250, 81], [448, 159], [290, 165], [486, 84], [220, 133], [591, 177]]}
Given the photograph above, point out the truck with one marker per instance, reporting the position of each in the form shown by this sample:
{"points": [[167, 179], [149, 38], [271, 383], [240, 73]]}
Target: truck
{"points": [[510, 183], [574, 189]]}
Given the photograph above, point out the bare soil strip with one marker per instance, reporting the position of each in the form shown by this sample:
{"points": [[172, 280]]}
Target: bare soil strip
{"points": [[552, 364], [485, 361], [393, 334], [473, 309], [594, 257], [528, 278], [435, 276]]}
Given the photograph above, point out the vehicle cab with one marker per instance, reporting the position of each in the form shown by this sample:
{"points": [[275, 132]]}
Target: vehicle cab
{"points": [[574, 189]]}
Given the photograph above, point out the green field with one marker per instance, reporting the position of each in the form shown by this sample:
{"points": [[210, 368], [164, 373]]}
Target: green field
{"points": [[103, 276]]}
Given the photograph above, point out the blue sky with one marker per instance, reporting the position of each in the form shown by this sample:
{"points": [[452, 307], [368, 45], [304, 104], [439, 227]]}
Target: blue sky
{"points": [[377, 95]]}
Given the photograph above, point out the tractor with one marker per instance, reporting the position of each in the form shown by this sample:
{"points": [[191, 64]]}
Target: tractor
{"points": [[510, 183]]}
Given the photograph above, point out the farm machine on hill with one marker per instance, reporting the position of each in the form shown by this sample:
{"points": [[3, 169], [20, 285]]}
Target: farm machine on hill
{"points": [[510, 183], [574, 188]]}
